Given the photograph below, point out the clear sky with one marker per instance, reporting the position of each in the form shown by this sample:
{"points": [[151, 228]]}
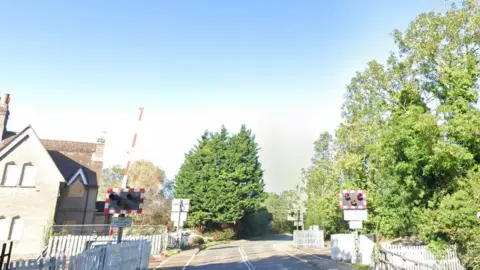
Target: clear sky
{"points": [[74, 68]]}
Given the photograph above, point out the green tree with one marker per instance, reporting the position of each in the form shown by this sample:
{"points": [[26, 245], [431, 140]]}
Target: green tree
{"points": [[222, 177], [281, 206], [411, 135]]}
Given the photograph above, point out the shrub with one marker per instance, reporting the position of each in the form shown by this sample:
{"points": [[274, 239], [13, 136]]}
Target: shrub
{"points": [[195, 239], [225, 235]]}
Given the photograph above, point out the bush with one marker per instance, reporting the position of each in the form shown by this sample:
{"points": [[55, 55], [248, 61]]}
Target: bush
{"points": [[195, 239], [255, 224], [225, 235]]}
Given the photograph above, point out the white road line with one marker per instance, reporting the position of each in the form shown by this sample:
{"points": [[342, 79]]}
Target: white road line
{"points": [[313, 255], [291, 255], [191, 258], [245, 258], [164, 262]]}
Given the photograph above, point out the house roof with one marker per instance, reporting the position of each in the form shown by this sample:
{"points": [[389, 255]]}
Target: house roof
{"points": [[68, 156], [14, 139], [71, 156]]}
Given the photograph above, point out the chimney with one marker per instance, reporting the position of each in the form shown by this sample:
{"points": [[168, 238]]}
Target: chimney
{"points": [[98, 156], [4, 113]]}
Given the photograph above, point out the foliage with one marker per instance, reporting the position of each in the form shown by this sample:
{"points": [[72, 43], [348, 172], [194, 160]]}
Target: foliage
{"points": [[225, 235], [112, 178], [222, 177], [195, 240], [255, 224], [280, 206], [411, 137]]}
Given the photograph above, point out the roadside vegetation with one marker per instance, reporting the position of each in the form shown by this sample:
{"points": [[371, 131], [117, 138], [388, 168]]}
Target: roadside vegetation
{"points": [[410, 136]]}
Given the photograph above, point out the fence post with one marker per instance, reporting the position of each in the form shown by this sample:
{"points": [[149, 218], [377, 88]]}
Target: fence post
{"points": [[2, 255], [51, 263]]}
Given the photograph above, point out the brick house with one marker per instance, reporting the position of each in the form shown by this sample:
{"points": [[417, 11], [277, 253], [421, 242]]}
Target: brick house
{"points": [[44, 182]]}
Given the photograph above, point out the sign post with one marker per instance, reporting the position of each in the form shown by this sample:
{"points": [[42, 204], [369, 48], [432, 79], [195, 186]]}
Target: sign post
{"points": [[354, 205], [179, 214]]}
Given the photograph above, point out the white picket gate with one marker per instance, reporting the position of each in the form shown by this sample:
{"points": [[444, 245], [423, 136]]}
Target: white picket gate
{"points": [[312, 238], [54, 263], [71, 245], [420, 253]]}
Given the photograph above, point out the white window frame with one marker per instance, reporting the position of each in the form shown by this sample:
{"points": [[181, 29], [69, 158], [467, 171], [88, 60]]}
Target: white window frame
{"points": [[5, 174], [16, 234], [4, 228], [33, 172]]}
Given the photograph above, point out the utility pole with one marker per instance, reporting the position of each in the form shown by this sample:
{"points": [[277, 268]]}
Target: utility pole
{"points": [[298, 219], [125, 174], [179, 232]]}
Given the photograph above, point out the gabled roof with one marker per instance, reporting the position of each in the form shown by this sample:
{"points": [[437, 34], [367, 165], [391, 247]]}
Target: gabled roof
{"points": [[76, 175], [13, 140], [71, 156]]}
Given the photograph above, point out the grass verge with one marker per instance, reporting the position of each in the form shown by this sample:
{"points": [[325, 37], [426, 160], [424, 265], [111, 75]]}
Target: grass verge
{"points": [[172, 252], [213, 243]]}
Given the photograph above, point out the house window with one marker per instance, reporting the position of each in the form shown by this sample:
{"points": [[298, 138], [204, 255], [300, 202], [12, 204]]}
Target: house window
{"points": [[76, 190], [11, 175], [28, 175], [3, 228], [16, 229]]}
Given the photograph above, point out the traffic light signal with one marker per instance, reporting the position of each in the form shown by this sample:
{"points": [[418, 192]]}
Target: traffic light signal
{"points": [[124, 201], [353, 199]]}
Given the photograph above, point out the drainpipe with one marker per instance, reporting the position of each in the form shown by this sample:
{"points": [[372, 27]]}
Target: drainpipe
{"points": [[85, 209]]}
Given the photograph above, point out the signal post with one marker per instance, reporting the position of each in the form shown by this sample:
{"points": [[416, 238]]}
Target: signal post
{"points": [[354, 205], [123, 201]]}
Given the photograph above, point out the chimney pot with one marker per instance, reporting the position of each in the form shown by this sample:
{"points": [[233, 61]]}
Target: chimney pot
{"points": [[98, 155], [6, 99]]}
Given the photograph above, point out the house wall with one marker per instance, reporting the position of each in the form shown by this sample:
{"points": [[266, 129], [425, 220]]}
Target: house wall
{"points": [[80, 210], [34, 205]]}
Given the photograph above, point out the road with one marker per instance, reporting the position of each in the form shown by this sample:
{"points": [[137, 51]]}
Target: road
{"points": [[272, 253]]}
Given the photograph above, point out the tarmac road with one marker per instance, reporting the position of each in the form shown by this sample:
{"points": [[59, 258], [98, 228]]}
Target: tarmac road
{"points": [[271, 253]]}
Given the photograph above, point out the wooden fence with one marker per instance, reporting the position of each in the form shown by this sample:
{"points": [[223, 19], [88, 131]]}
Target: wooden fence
{"points": [[416, 258], [71, 245]]}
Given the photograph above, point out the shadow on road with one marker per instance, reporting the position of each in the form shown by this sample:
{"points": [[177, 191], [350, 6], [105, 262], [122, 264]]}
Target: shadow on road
{"points": [[277, 261], [278, 237], [272, 262]]}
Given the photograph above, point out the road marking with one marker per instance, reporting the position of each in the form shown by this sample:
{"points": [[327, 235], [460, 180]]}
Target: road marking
{"points": [[164, 262], [188, 262], [245, 258], [291, 255], [313, 255]]}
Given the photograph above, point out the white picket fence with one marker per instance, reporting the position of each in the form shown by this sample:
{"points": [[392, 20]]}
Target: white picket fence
{"points": [[312, 238], [420, 253], [71, 245], [53, 263], [123, 256]]}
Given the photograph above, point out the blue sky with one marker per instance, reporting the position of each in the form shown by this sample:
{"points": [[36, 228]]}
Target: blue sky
{"points": [[74, 68]]}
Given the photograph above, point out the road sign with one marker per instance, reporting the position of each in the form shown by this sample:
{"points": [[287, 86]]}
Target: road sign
{"points": [[360, 214], [121, 222], [355, 224], [296, 223], [184, 204], [124, 201], [352, 199], [175, 216]]}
